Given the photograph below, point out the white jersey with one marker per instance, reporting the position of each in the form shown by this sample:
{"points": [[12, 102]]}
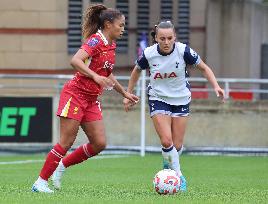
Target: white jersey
{"points": [[168, 82]]}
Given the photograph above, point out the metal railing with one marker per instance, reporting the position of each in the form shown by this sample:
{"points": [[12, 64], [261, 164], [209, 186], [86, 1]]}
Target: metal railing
{"points": [[253, 85]]}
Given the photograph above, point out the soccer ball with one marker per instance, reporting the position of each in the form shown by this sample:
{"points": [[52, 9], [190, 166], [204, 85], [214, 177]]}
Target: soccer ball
{"points": [[166, 181]]}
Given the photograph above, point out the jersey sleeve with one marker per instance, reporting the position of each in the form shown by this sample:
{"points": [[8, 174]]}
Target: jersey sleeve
{"points": [[190, 56], [91, 46], [142, 62]]}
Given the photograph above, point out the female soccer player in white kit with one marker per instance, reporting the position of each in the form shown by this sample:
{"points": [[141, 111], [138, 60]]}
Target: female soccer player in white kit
{"points": [[169, 91]]}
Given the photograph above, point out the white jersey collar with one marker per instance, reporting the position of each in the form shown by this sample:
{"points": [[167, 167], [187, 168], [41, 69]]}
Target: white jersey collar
{"points": [[102, 37]]}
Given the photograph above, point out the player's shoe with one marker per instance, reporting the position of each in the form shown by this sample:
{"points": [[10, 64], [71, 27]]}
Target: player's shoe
{"points": [[42, 187], [57, 176], [166, 163], [183, 186]]}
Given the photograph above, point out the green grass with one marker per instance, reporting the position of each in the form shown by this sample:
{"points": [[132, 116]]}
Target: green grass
{"points": [[211, 179]]}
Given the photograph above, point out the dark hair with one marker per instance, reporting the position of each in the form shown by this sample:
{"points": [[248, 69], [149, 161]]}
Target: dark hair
{"points": [[95, 16], [162, 24]]}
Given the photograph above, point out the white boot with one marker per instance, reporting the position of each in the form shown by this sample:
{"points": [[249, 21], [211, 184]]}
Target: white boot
{"points": [[57, 175], [41, 186]]}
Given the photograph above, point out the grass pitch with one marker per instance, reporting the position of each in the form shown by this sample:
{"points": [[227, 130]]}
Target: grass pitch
{"points": [[211, 179]]}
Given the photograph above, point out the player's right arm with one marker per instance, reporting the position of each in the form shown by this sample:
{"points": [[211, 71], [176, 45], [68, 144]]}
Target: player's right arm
{"points": [[141, 64], [134, 77], [78, 63]]}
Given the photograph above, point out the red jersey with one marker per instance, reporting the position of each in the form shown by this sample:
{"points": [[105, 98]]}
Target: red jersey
{"points": [[101, 60]]}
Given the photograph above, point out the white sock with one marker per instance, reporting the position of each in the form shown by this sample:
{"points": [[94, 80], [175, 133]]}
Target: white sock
{"points": [[180, 150], [40, 180], [171, 156], [179, 154], [61, 165], [166, 157]]}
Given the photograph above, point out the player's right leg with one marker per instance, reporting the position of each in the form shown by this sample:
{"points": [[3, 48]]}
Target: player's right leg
{"points": [[41, 185], [68, 132], [51, 163], [160, 113], [162, 125]]}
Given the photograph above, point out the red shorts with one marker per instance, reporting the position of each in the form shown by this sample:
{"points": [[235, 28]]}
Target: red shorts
{"points": [[77, 108]]}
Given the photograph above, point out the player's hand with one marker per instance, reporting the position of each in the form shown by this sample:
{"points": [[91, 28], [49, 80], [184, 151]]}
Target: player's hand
{"points": [[220, 93], [104, 82], [133, 98], [128, 104], [129, 101]]}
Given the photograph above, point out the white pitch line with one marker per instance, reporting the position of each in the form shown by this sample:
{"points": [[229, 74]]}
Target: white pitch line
{"points": [[37, 161], [21, 162]]}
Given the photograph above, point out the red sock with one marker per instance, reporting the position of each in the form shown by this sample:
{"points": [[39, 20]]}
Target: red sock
{"points": [[81, 154], [52, 161]]}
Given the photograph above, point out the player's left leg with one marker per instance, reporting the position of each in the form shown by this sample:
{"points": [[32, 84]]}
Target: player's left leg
{"points": [[96, 135], [178, 131]]}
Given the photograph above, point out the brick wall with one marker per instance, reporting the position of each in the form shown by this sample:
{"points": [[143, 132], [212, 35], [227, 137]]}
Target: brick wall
{"points": [[33, 34]]}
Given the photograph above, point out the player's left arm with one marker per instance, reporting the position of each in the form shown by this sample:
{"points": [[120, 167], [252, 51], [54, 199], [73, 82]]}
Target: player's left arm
{"points": [[120, 89], [209, 75]]}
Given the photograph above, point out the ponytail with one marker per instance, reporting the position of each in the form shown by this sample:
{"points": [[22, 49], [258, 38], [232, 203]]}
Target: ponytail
{"points": [[94, 18], [153, 34], [91, 20]]}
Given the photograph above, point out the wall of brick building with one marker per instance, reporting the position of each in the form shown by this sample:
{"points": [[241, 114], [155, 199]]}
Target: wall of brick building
{"points": [[33, 34]]}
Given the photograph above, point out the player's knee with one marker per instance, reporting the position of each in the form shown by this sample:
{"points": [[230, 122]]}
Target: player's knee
{"points": [[66, 145], [66, 141], [178, 146], [100, 145], [166, 142]]}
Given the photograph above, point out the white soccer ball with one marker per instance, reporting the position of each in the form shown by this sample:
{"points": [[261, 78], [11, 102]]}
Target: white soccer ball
{"points": [[166, 181]]}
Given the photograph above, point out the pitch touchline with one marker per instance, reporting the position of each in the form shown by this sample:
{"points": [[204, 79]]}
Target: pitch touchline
{"points": [[21, 162], [41, 160]]}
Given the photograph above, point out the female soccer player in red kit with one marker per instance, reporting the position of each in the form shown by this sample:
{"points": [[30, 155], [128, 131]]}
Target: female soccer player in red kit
{"points": [[78, 105]]}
